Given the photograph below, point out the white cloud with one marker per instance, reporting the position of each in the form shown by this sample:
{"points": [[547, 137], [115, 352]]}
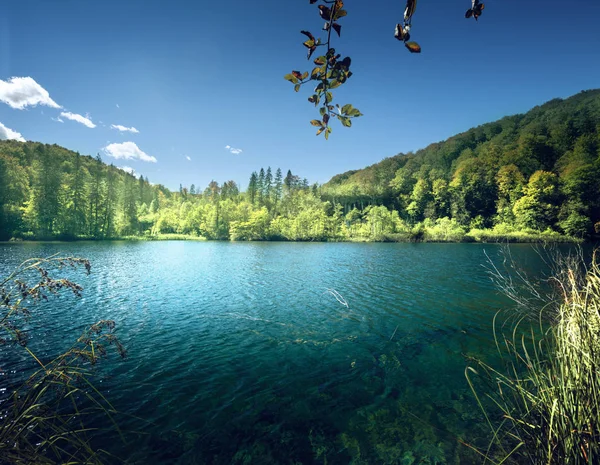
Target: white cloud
{"points": [[127, 151], [127, 169], [21, 92], [9, 134], [124, 128], [233, 150], [85, 120], [57, 119], [188, 158]]}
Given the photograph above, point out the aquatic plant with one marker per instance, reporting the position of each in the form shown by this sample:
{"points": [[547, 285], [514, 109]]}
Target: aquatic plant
{"points": [[48, 414], [549, 392]]}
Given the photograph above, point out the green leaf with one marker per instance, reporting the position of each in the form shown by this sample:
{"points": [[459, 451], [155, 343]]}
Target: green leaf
{"points": [[327, 132], [291, 78], [320, 131], [346, 108], [339, 14], [322, 110], [297, 87], [316, 122], [328, 97], [354, 113], [305, 75], [345, 120], [334, 84], [320, 60]]}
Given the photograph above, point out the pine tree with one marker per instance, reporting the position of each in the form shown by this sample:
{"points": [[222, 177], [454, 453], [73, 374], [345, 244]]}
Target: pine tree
{"points": [[278, 186], [43, 205], [268, 183], [76, 199], [253, 187], [260, 186]]}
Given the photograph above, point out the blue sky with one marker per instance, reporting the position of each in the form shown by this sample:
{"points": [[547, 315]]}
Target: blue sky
{"points": [[194, 77]]}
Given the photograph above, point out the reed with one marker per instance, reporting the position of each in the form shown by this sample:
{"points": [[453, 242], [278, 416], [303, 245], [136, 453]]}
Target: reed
{"points": [[548, 392], [47, 417]]}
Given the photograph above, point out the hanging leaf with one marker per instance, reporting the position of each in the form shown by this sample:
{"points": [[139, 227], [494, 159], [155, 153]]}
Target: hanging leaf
{"points": [[325, 12], [320, 60], [291, 78], [316, 122], [320, 131], [413, 47], [327, 132], [339, 14], [411, 6], [297, 87], [401, 34], [308, 34], [325, 118], [297, 74], [337, 28]]}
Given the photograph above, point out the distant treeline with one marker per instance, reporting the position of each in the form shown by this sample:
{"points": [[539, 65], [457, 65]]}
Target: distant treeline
{"points": [[525, 177]]}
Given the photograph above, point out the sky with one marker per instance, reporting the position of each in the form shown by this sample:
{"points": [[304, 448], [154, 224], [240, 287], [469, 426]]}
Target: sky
{"points": [[185, 92]]}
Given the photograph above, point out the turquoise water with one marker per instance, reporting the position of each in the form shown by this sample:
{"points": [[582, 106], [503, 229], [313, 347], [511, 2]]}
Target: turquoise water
{"points": [[238, 353]]}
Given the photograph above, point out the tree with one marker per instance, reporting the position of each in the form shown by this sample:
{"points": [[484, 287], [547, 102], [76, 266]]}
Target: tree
{"points": [[277, 189], [268, 184], [253, 187], [110, 202], [43, 205], [95, 195], [537, 208], [14, 191], [76, 199], [510, 184], [260, 185], [128, 202]]}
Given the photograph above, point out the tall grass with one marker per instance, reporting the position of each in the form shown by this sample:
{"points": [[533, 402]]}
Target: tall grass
{"points": [[46, 419], [548, 393]]}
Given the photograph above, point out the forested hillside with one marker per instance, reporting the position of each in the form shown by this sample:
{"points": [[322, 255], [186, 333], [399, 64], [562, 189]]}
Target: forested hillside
{"points": [[537, 170], [527, 176]]}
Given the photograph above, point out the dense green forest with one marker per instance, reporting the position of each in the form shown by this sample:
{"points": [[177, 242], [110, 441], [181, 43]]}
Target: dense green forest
{"points": [[529, 176]]}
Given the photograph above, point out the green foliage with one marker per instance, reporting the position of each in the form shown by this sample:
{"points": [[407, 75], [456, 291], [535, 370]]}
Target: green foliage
{"points": [[532, 171], [471, 187], [330, 71]]}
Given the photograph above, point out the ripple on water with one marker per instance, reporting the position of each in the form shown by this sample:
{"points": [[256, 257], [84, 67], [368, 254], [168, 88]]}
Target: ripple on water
{"points": [[238, 351]]}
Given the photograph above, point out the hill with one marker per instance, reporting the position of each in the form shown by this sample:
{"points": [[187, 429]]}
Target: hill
{"points": [[534, 176], [495, 172]]}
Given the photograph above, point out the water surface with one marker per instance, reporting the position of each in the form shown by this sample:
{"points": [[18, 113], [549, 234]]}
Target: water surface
{"points": [[238, 353]]}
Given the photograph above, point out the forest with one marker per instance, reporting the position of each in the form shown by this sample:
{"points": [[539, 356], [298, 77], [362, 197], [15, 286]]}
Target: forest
{"points": [[533, 176]]}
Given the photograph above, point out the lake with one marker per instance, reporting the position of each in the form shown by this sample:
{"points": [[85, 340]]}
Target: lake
{"points": [[282, 352]]}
